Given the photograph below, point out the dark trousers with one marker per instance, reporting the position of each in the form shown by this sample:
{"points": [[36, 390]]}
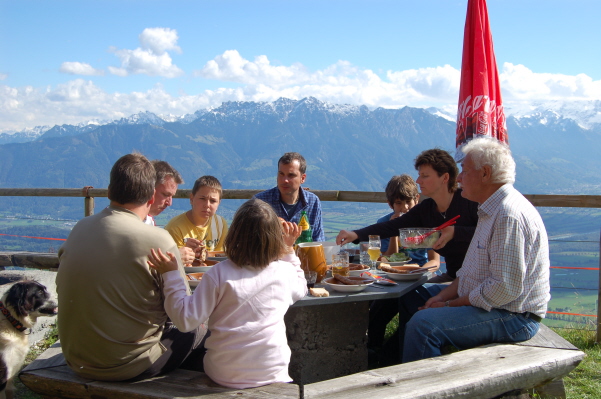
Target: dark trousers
{"points": [[184, 349], [381, 312]]}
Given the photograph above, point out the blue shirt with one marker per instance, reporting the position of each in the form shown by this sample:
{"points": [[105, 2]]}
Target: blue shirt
{"points": [[419, 256], [308, 202]]}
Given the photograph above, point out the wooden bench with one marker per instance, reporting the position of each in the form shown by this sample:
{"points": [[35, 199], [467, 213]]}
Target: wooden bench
{"points": [[491, 371], [50, 377]]}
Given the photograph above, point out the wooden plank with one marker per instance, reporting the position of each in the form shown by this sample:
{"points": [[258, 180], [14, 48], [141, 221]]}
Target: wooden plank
{"points": [[483, 372], [545, 200], [62, 382], [547, 338], [52, 357], [36, 260], [50, 376], [52, 192], [569, 201]]}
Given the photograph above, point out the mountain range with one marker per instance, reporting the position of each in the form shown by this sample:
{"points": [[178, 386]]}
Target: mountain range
{"points": [[347, 147]]}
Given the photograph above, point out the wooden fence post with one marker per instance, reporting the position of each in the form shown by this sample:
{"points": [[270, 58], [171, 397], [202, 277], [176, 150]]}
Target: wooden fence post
{"points": [[88, 206], [88, 202]]}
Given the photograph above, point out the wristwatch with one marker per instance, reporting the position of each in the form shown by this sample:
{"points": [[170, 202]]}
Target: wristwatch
{"points": [[447, 303]]}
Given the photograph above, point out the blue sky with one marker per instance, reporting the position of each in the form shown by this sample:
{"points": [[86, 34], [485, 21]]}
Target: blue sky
{"points": [[72, 61]]}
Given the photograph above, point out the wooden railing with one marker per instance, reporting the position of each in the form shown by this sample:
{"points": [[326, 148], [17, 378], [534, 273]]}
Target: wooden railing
{"points": [[543, 200], [88, 193]]}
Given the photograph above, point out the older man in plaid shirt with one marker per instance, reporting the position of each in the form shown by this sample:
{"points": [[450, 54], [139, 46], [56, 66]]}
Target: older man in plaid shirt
{"points": [[502, 289]]}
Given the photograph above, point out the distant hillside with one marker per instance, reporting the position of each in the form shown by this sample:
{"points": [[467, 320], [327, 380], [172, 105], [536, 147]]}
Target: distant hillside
{"points": [[347, 147]]}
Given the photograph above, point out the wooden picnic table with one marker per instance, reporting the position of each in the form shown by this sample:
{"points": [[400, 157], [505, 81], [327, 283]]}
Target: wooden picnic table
{"points": [[328, 336]]}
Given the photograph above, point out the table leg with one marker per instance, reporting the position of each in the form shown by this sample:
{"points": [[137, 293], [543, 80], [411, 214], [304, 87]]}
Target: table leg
{"points": [[327, 341]]}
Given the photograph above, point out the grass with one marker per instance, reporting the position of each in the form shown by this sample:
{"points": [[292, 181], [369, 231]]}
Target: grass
{"points": [[585, 381]]}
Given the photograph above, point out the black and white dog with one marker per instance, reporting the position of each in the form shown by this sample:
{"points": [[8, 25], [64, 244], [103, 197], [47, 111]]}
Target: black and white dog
{"points": [[20, 306]]}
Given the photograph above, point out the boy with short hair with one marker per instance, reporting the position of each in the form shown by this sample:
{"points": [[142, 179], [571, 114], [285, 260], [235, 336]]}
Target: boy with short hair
{"points": [[402, 195], [201, 226]]}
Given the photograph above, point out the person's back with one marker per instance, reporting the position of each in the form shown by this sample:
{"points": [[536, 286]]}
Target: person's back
{"points": [[112, 311], [244, 299], [112, 317]]}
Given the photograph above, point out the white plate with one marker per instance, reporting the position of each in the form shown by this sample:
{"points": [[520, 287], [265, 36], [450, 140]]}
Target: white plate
{"points": [[394, 263], [196, 269], [357, 273], [403, 276], [193, 283], [346, 288]]}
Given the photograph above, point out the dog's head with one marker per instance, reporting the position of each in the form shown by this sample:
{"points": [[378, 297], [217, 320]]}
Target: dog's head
{"points": [[30, 298]]}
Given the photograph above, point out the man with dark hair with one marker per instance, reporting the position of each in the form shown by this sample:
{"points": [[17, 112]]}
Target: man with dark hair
{"points": [[113, 325], [288, 199], [167, 180]]}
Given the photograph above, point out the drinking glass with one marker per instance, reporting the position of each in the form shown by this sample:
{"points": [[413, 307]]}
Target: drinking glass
{"points": [[310, 276], [374, 250], [340, 264]]}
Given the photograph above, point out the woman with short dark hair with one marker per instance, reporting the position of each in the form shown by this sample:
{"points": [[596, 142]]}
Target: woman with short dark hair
{"points": [[437, 179]]}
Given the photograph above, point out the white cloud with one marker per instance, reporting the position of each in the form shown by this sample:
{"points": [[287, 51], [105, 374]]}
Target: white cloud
{"points": [[81, 100], [80, 68], [520, 83], [159, 40], [3, 76], [152, 58]]}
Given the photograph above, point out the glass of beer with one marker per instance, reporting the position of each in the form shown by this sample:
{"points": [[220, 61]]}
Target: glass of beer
{"points": [[340, 264], [374, 250]]}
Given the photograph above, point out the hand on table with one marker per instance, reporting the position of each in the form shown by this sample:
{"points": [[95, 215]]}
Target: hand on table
{"points": [[161, 262], [187, 254], [346, 236], [446, 235]]}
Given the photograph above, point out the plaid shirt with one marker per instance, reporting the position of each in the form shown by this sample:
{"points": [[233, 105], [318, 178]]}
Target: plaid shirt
{"points": [[308, 203], [507, 263]]}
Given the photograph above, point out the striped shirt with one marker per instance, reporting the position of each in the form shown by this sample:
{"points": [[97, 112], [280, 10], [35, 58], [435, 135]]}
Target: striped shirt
{"points": [[507, 263]]}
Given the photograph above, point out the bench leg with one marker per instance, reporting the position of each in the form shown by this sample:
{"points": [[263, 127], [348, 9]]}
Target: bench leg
{"points": [[555, 390]]}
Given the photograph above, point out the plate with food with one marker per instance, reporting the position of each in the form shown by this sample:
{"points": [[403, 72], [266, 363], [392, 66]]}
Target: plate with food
{"points": [[348, 284], [194, 278], [405, 272], [216, 255], [356, 269], [200, 266]]}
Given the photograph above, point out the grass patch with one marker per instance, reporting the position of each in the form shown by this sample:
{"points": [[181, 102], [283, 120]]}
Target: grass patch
{"points": [[585, 381]]}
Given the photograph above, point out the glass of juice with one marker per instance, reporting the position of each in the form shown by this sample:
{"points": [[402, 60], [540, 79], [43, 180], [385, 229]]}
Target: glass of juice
{"points": [[374, 250], [340, 264]]}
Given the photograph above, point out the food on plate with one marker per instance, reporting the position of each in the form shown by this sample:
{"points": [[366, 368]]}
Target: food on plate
{"points": [[356, 266], [319, 292], [351, 280], [398, 257], [403, 269], [194, 276]]}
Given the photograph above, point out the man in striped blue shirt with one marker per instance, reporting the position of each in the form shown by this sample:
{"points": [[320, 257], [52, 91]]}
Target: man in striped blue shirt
{"points": [[288, 199]]}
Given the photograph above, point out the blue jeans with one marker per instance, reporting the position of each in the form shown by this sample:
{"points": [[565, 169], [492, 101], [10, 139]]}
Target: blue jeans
{"points": [[464, 327]]}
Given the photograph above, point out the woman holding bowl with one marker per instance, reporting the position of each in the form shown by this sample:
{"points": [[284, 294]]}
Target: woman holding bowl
{"points": [[437, 180]]}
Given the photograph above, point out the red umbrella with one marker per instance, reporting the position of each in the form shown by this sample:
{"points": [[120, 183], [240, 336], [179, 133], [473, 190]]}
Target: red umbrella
{"points": [[480, 110]]}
